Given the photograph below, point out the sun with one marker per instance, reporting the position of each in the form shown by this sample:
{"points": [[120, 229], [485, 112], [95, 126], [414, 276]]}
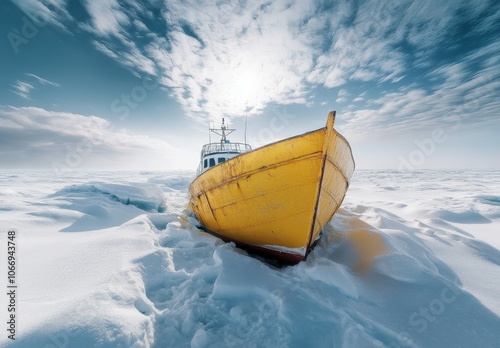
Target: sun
{"points": [[240, 88], [247, 83]]}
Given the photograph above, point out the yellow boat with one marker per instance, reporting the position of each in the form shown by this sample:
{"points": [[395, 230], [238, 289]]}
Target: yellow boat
{"points": [[274, 200]]}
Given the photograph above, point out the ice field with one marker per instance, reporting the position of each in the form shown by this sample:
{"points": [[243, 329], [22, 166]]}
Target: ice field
{"points": [[112, 259]]}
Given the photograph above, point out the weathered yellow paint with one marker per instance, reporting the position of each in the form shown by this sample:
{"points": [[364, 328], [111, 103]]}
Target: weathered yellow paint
{"points": [[280, 195]]}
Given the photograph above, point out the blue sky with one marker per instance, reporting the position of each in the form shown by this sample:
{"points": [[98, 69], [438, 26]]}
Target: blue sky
{"points": [[132, 85]]}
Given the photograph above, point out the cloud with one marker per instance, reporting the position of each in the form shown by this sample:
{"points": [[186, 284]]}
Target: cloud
{"points": [[216, 60], [223, 60], [67, 141], [342, 94], [107, 18], [43, 81], [24, 88], [461, 97], [232, 58], [359, 98], [44, 12]]}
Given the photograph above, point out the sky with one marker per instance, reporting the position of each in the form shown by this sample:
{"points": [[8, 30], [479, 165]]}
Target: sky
{"points": [[122, 84]]}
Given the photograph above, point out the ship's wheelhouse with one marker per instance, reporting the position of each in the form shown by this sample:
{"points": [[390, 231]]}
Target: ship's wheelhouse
{"points": [[216, 153], [213, 154]]}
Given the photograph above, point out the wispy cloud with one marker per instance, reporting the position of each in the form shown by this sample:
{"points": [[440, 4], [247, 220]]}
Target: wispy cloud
{"points": [[342, 94], [46, 11], [43, 138], [359, 98], [42, 80], [24, 88], [461, 97]]}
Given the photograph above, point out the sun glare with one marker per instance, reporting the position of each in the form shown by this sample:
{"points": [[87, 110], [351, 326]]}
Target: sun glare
{"points": [[247, 83], [241, 88]]}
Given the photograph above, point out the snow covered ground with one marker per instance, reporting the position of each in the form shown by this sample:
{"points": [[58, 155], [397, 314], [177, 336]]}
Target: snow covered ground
{"points": [[111, 259]]}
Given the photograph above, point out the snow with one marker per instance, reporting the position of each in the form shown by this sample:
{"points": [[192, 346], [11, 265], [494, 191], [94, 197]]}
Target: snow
{"points": [[112, 259]]}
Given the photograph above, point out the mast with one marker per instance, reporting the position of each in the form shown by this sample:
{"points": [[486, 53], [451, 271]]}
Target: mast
{"points": [[223, 131]]}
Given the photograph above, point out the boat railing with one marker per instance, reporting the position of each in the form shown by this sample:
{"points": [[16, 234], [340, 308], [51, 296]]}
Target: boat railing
{"points": [[225, 147]]}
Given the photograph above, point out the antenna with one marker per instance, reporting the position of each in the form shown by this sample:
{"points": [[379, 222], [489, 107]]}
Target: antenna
{"points": [[223, 131], [209, 133], [246, 115]]}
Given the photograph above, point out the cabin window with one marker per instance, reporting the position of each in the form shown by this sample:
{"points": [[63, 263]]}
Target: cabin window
{"points": [[212, 162], [205, 163], [221, 160]]}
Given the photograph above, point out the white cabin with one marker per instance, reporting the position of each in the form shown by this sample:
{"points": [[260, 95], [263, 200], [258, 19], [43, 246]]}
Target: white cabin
{"points": [[213, 154]]}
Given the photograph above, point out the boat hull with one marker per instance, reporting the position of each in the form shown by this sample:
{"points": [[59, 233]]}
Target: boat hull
{"points": [[278, 198]]}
